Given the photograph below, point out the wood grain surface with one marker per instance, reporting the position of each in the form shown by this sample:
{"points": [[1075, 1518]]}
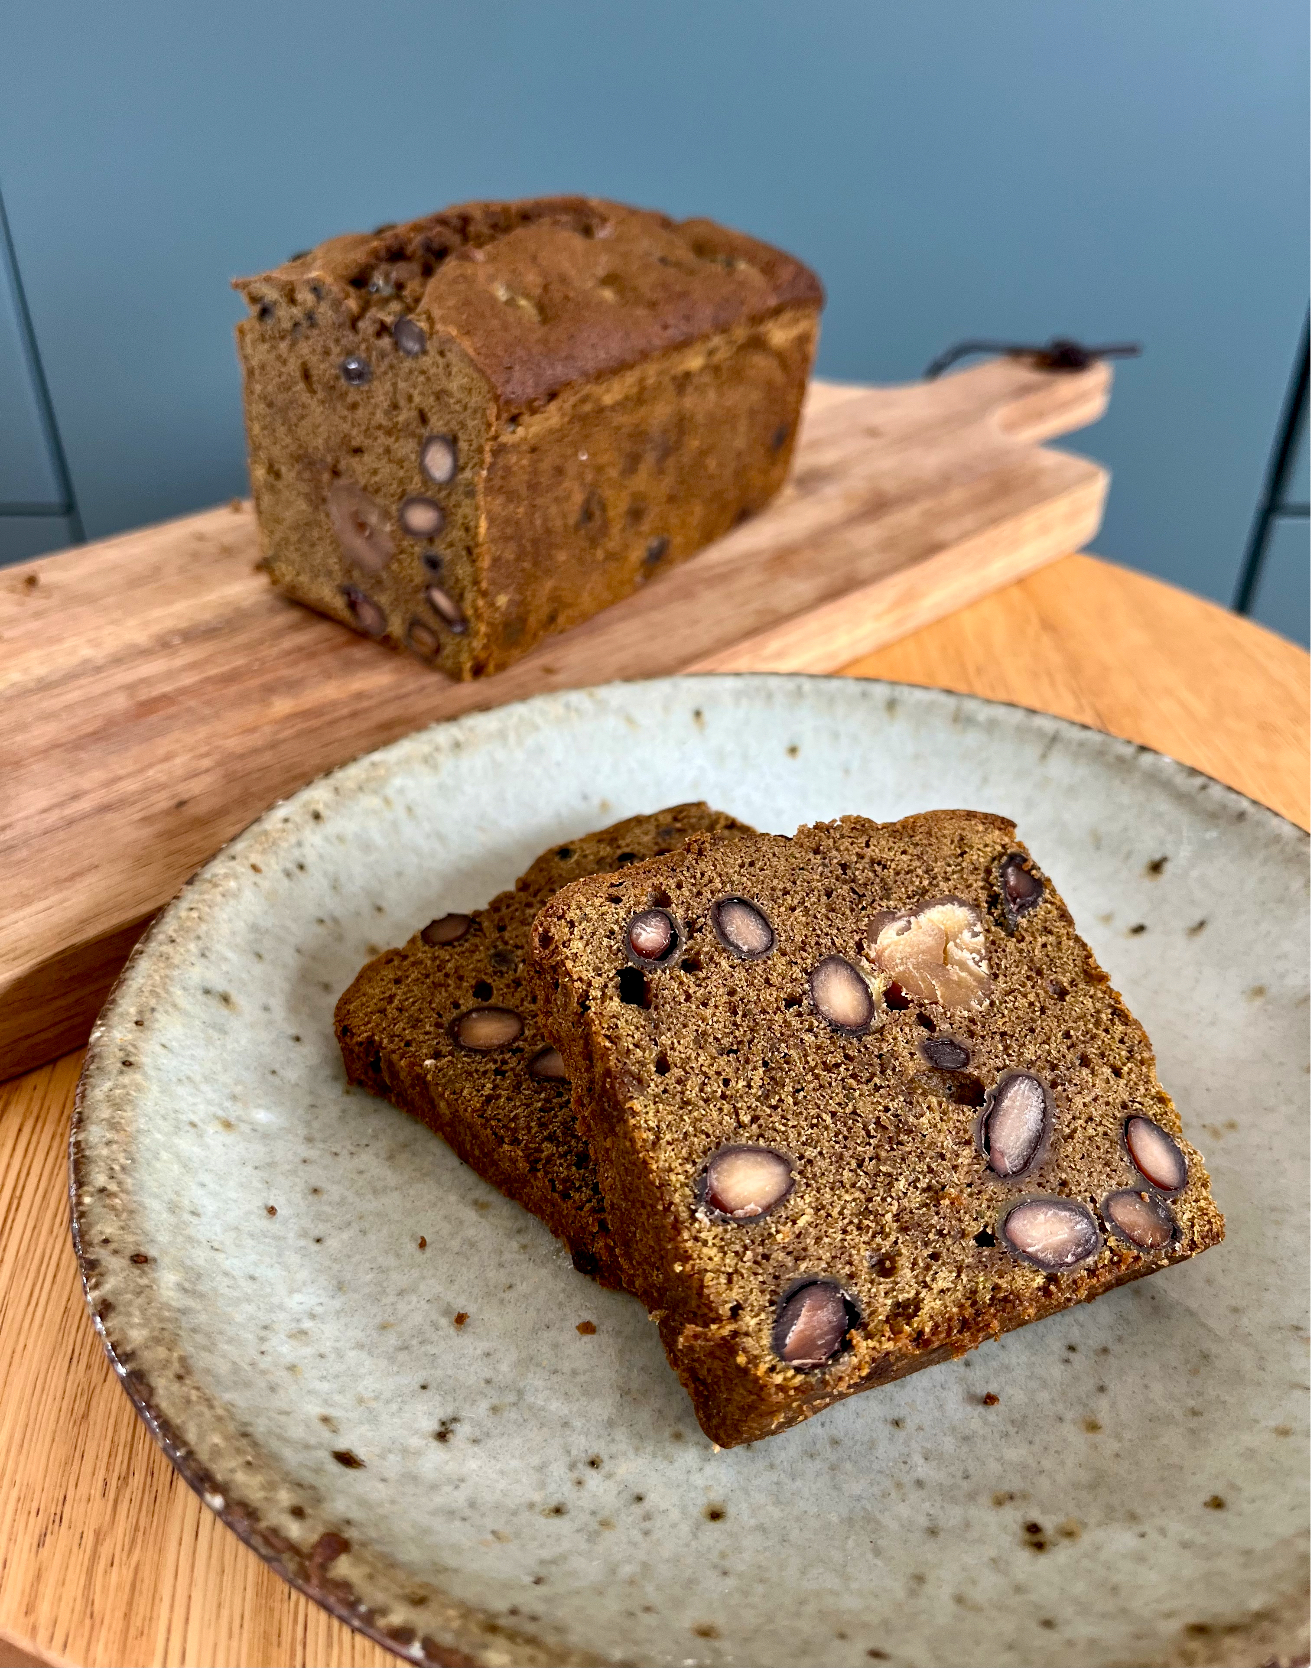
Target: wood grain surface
{"points": [[156, 694], [1138, 658], [107, 1559]]}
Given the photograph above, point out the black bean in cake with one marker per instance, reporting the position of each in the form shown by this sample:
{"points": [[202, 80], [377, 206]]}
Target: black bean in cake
{"points": [[858, 1100]]}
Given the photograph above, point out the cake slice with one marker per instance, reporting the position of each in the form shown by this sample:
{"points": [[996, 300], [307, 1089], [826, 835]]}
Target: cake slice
{"points": [[858, 1100], [447, 1029]]}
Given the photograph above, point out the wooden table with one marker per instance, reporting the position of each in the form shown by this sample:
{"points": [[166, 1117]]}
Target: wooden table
{"points": [[106, 1557]]}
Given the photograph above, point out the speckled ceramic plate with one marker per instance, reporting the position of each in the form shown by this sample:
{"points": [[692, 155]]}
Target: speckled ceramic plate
{"points": [[512, 1490]]}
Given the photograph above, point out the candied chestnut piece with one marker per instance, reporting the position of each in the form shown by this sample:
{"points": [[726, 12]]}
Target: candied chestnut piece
{"points": [[1019, 888], [360, 526], [1145, 1221], [547, 1063], [483, 1029], [1155, 1154], [946, 1053], [1053, 1234], [409, 337], [421, 518], [446, 929], [652, 938], [368, 616], [438, 459], [841, 996], [935, 953], [742, 927], [813, 1322], [1014, 1124], [742, 1183]]}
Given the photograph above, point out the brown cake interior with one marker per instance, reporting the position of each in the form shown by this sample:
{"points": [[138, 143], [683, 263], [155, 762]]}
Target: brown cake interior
{"points": [[895, 1203], [399, 1027]]}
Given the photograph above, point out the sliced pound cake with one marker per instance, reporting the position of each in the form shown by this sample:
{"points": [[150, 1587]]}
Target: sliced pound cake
{"points": [[858, 1100], [447, 1029]]}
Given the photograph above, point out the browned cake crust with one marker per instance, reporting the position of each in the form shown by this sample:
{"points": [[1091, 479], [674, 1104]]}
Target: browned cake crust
{"points": [[483, 426], [399, 1022], [813, 1144]]}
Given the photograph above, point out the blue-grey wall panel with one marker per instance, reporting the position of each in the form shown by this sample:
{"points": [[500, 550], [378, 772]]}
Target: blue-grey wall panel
{"points": [[23, 537], [1093, 167], [25, 473], [1283, 598], [1299, 485]]}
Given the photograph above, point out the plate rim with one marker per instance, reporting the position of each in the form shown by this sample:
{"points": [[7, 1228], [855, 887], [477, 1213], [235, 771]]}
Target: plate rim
{"points": [[308, 1573]]}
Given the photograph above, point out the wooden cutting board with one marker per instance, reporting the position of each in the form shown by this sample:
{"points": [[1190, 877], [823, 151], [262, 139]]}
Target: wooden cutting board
{"points": [[156, 694]]}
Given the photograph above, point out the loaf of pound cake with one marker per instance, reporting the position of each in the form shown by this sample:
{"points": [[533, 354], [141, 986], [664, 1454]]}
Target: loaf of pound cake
{"points": [[481, 427], [446, 1028], [858, 1100]]}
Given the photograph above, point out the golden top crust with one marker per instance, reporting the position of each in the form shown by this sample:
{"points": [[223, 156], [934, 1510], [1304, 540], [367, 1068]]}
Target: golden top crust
{"points": [[550, 291]]}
